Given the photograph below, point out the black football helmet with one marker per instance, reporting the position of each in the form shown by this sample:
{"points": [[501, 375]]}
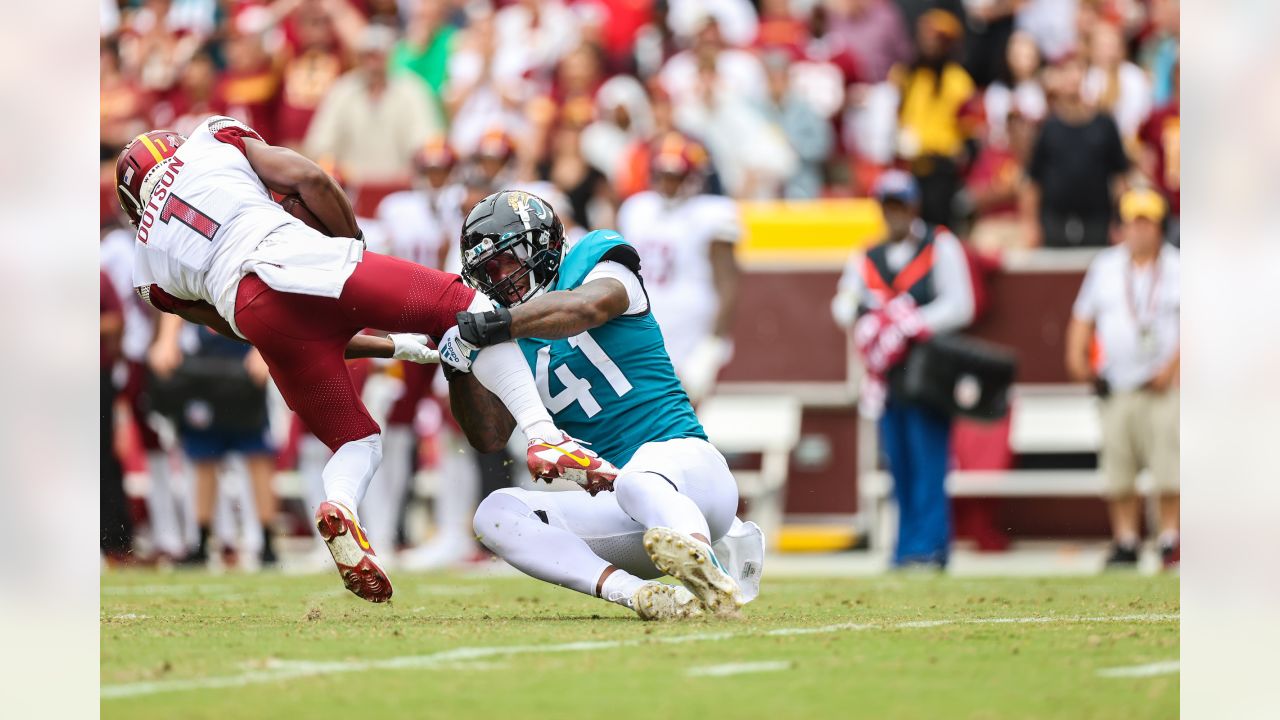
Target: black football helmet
{"points": [[524, 228]]}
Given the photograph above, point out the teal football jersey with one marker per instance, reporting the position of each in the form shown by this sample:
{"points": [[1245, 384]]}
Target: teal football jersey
{"points": [[612, 386]]}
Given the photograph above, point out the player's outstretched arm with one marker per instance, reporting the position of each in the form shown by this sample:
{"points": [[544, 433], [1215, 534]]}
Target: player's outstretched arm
{"points": [[559, 314], [484, 419], [288, 173]]}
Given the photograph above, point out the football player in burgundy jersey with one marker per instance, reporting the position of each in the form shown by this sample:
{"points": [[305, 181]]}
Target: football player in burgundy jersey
{"points": [[215, 248]]}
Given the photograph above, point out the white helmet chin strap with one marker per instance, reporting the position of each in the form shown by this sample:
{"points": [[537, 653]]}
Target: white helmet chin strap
{"points": [[129, 196]]}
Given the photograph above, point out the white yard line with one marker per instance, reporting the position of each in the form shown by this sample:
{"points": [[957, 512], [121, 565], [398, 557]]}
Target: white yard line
{"points": [[278, 670], [738, 668], [1164, 667]]}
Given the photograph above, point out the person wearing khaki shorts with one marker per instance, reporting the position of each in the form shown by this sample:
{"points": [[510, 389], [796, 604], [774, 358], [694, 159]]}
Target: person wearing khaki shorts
{"points": [[1140, 430], [1129, 305]]}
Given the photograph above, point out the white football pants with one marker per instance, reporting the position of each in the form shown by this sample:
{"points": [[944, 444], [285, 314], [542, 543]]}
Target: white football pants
{"points": [[570, 538]]}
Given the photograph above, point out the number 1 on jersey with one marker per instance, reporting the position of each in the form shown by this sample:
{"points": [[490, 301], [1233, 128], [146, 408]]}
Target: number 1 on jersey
{"points": [[577, 389], [177, 208]]}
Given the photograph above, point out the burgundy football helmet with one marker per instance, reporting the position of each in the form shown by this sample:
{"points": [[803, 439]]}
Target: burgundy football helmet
{"points": [[140, 165]]}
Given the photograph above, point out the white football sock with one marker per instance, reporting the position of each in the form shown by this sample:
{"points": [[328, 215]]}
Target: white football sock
{"points": [[509, 527], [621, 586], [380, 508], [164, 506], [653, 502], [348, 472], [312, 456], [457, 497], [503, 371]]}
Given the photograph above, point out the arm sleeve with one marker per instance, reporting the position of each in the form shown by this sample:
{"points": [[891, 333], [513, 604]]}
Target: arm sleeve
{"points": [[637, 301], [952, 309]]}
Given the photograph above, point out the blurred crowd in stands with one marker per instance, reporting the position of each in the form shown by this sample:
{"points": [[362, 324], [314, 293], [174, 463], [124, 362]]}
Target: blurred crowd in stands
{"points": [[1018, 116], [1022, 122]]}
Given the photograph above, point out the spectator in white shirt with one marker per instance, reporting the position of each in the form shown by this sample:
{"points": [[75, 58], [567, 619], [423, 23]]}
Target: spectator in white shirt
{"points": [[532, 35], [1130, 303], [737, 18], [1114, 84], [1020, 92], [1052, 23], [371, 122], [717, 93]]}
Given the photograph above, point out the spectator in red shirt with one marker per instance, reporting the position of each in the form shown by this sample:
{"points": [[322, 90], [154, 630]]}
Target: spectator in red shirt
{"points": [[308, 73], [780, 28], [994, 182], [121, 102], [619, 25], [188, 104], [249, 89], [1160, 137]]}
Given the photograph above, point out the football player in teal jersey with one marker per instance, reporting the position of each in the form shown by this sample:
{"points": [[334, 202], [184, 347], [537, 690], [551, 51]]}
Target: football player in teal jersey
{"points": [[581, 316]]}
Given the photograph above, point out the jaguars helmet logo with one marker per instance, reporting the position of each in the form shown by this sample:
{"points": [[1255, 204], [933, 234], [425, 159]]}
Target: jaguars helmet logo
{"points": [[524, 204]]}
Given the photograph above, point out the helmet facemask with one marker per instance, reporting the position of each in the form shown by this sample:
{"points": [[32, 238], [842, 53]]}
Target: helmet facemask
{"points": [[533, 254]]}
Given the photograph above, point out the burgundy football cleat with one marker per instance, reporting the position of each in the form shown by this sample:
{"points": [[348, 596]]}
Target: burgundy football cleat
{"points": [[569, 460], [359, 567]]}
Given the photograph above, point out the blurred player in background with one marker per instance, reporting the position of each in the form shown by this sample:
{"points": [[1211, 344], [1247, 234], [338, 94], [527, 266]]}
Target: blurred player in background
{"points": [[216, 390], [170, 502], [214, 248], [685, 239], [420, 225], [466, 470], [115, 528], [583, 318], [495, 158]]}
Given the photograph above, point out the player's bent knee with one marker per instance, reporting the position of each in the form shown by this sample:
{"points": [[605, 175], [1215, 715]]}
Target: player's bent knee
{"points": [[499, 508], [630, 485]]}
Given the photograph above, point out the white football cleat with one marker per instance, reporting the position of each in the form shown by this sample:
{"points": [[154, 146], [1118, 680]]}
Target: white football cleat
{"points": [[659, 601], [693, 563], [741, 551]]}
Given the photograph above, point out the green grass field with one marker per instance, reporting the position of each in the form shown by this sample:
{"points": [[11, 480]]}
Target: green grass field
{"points": [[271, 646]]}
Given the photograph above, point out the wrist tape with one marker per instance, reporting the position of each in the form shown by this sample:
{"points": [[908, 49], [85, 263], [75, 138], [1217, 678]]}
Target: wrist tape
{"points": [[485, 328]]}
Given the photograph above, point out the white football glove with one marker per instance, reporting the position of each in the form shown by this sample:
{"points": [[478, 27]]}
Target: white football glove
{"points": [[413, 348], [456, 352]]}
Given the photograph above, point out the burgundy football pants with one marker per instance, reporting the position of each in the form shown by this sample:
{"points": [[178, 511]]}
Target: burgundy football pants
{"points": [[303, 338]]}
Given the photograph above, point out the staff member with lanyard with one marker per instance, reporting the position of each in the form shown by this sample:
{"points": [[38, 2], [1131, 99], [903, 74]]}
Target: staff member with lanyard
{"points": [[913, 285], [1130, 298]]}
